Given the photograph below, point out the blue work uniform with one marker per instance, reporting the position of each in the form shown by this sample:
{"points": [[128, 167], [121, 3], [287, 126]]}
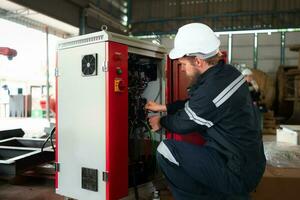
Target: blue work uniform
{"points": [[232, 161]]}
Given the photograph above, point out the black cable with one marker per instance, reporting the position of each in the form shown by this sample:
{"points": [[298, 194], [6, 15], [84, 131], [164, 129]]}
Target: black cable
{"points": [[49, 137], [42, 148], [136, 192], [158, 94]]}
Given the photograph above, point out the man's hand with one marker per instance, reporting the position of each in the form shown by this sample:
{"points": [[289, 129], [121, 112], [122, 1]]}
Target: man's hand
{"points": [[155, 107], [155, 123]]}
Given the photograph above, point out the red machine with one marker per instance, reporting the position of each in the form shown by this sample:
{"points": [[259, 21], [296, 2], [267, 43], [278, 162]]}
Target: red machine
{"points": [[10, 53], [102, 139]]}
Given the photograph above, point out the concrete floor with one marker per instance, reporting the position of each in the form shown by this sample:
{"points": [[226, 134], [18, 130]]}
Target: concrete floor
{"points": [[145, 191], [43, 189], [29, 189]]}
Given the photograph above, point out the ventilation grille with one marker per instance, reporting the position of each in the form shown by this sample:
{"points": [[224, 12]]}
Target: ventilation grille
{"points": [[80, 42], [89, 65]]}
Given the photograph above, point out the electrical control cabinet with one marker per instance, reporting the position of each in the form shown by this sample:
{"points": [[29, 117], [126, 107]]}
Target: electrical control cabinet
{"points": [[103, 82]]}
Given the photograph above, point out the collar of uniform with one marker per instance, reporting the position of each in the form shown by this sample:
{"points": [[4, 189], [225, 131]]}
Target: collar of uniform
{"points": [[208, 72]]}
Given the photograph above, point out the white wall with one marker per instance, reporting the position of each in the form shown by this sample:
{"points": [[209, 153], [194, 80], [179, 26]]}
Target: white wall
{"points": [[268, 49], [242, 49], [224, 42], [268, 52]]}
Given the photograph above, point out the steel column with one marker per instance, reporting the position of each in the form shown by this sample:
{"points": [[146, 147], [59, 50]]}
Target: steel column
{"points": [[282, 48]]}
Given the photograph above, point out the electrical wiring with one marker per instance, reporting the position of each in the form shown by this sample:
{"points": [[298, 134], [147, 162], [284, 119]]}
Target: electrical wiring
{"points": [[51, 141], [150, 136], [141, 145]]}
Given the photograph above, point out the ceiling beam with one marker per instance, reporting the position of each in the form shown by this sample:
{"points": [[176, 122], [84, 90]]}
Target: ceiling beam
{"points": [[62, 10], [70, 11]]}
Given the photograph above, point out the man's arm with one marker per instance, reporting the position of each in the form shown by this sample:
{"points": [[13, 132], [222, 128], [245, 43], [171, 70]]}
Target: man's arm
{"points": [[169, 108], [178, 124], [194, 117], [172, 108], [198, 114], [155, 107]]}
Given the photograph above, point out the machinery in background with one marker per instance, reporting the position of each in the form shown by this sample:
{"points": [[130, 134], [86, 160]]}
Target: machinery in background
{"points": [[5, 134], [18, 155], [104, 144], [10, 53], [288, 98]]}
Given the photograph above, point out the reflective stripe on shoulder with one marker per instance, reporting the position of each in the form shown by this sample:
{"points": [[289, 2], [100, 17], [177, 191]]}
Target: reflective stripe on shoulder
{"points": [[193, 116], [229, 91], [164, 150]]}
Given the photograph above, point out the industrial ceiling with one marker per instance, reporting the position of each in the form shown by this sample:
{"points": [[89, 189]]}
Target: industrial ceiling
{"points": [[85, 15], [157, 17], [161, 17]]}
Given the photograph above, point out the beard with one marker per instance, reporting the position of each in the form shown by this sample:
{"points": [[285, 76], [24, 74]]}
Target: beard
{"points": [[193, 77]]}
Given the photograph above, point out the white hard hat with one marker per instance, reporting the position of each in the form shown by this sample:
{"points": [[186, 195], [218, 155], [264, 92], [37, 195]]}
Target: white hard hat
{"points": [[195, 38], [246, 72]]}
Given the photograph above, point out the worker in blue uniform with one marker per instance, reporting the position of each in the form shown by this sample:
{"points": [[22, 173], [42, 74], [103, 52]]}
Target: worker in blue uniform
{"points": [[231, 162]]}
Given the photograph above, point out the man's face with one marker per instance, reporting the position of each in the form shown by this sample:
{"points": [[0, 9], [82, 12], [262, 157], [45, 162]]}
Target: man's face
{"points": [[188, 65]]}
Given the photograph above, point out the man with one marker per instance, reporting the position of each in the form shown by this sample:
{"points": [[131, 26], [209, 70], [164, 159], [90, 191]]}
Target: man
{"points": [[231, 162]]}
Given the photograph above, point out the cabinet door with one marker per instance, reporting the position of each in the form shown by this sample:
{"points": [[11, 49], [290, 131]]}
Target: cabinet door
{"points": [[81, 125]]}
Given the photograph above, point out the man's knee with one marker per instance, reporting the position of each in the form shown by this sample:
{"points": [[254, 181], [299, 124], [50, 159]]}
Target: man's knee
{"points": [[160, 159], [164, 155]]}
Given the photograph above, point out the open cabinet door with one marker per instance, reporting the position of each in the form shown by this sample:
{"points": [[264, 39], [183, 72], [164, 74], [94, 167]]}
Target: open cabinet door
{"points": [[178, 84]]}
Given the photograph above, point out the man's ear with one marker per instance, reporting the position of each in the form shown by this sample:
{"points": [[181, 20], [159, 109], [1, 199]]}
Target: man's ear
{"points": [[198, 62]]}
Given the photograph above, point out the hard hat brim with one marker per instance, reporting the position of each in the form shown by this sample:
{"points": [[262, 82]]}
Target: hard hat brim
{"points": [[176, 53]]}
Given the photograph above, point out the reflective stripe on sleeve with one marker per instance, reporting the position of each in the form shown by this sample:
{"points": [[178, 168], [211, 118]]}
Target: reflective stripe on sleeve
{"points": [[193, 116], [164, 150], [229, 91]]}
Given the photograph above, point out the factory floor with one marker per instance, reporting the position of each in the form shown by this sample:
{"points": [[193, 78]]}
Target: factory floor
{"points": [[32, 188], [29, 189]]}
